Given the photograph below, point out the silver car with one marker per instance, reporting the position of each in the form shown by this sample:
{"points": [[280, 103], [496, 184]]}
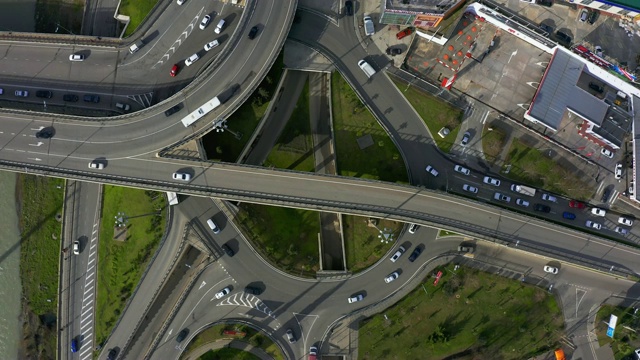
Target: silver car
{"points": [[222, 293], [469, 188], [491, 181], [355, 298], [398, 253], [394, 275], [431, 170], [461, 170]]}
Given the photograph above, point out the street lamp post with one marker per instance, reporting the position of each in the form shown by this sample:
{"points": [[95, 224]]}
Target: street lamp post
{"points": [[60, 26]]}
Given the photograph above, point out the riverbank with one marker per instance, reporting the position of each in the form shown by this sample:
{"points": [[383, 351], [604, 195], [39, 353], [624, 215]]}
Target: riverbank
{"points": [[39, 207]]}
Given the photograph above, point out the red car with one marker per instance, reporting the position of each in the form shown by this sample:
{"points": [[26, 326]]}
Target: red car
{"points": [[577, 204], [403, 33], [174, 70]]}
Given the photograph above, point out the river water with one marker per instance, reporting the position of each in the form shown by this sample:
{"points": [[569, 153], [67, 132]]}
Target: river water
{"points": [[10, 286]]}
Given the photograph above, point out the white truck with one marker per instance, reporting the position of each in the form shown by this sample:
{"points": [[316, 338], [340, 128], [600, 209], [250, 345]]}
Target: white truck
{"points": [[172, 197], [524, 190]]}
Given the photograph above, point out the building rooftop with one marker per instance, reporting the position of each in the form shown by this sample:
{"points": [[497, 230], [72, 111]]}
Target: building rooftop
{"points": [[420, 6], [559, 91]]}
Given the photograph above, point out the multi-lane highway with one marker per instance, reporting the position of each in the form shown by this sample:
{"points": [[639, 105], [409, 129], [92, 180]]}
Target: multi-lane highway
{"points": [[79, 268], [127, 146]]}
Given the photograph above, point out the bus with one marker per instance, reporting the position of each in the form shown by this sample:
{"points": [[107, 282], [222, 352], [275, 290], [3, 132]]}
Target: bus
{"points": [[201, 111]]}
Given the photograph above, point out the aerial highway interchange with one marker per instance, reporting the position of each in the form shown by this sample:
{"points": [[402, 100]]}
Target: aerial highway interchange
{"points": [[129, 146]]}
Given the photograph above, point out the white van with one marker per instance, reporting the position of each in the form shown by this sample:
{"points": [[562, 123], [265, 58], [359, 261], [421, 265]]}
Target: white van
{"points": [[213, 226], [369, 29], [219, 27], [193, 58], [368, 70], [136, 46]]}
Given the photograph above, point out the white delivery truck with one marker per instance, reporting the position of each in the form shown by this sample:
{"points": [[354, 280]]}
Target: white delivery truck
{"points": [[173, 198], [368, 69], [524, 190]]}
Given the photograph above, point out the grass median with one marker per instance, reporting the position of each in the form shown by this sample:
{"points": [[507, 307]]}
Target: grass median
{"points": [[380, 160], [435, 113], [137, 10], [534, 167], [243, 333], [122, 263], [224, 146], [40, 202], [469, 314], [294, 149], [363, 247]]}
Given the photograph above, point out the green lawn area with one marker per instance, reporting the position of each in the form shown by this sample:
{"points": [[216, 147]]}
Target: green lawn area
{"points": [[294, 149], [40, 202], [493, 141], [287, 237], [121, 263], [470, 313], [352, 120], [624, 340], [252, 336], [224, 146], [362, 245], [137, 10], [434, 112], [228, 353], [533, 167]]}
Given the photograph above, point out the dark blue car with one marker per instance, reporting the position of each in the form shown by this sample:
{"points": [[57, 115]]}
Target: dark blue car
{"points": [[569, 216], [74, 345]]}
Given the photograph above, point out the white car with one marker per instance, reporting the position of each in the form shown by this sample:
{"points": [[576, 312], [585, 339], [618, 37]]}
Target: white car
{"points": [[76, 247], [551, 269], [292, 339], [355, 298], [618, 171], [606, 152], [413, 228], [210, 45], [491, 181], [224, 292], [625, 221], [181, 176], [521, 202], [76, 57], [461, 170], [598, 212], [469, 188], [593, 224], [622, 231], [465, 138], [547, 197], [205, 22], [398, 253], [394, 275], [180, 2], [21, 93], [431, 170], [96, 165], [501, 197], [193, 58]]}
